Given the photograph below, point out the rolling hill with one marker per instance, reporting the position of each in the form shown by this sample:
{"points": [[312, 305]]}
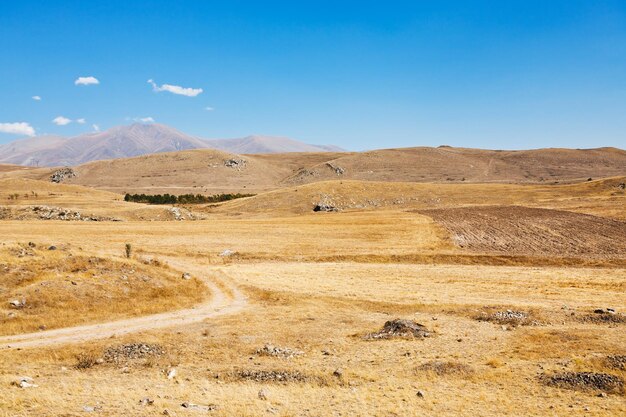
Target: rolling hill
{"points": [[210, 171]]}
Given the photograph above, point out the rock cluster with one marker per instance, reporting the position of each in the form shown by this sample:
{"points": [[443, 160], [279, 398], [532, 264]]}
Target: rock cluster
{"points": [[279, 352], [324, 207], [235, 163], [508, 317], [586, 381], [59, 213], [62, 174], [272, 376], [400, 328], [338, 170], [179, 214], [123, 353], [616, 362]]}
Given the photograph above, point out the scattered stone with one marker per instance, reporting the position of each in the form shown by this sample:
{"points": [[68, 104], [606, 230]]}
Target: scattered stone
{"points": [[338, 373], [227, 253], [280, 352], [52, 247], [17, 304], [400, 328], [616, 362], [59, 213], [31, 244], [508, 317], [146, 401], [91, 409], [583, 381], [62, 174], [602, 395], [420, 394], [198, 407], [272, 376], [171, 374], [186, 275], [24, 382], [132, 351], [263, 394]]}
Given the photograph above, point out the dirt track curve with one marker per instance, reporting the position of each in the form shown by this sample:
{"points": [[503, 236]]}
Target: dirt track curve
{"points": [[219, 304]]}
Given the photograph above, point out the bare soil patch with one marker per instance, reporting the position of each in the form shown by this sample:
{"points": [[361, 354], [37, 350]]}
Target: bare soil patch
{"points": [[535, 231]]}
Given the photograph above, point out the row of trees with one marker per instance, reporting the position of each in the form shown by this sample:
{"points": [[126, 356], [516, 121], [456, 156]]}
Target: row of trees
{"points": [[182, 199]]}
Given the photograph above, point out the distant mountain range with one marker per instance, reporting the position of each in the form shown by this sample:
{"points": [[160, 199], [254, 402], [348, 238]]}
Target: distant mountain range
{"points": [[135, 140]]}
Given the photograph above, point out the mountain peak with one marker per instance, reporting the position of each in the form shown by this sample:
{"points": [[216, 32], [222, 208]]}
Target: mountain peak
{"points": [[134, 140]]}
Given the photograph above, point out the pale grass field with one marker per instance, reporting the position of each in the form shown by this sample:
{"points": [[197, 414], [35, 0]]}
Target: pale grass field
{"points": [[330, 306]]}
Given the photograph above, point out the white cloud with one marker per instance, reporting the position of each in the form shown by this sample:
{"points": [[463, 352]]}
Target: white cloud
{"points": [[86, 81], [209, 108], [142, 119], [96, 128], [61, 121], [175, 89], [20, 128], [81, 121], [36, 98]]}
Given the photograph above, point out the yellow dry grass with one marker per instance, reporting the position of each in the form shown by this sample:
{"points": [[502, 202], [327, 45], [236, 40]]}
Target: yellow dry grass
{"points": [[67, 287], [306, 292]]}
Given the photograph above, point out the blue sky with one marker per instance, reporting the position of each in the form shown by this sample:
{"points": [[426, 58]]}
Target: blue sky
{"points": [[359, 74]]}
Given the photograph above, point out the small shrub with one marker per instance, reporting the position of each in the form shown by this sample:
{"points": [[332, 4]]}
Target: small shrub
{"points": [[85, 361]]}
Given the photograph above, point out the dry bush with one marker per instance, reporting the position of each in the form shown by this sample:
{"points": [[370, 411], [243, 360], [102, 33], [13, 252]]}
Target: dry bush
{"points": [[85, 361], [442, 368]]}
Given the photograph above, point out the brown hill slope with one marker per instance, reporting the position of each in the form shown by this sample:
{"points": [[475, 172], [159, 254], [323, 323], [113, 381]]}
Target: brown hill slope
{"points": [[206, 171], [601, 197], [467, 165]]}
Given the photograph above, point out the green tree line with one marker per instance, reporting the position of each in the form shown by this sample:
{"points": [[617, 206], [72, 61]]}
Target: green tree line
{"points": [[182, 199]]}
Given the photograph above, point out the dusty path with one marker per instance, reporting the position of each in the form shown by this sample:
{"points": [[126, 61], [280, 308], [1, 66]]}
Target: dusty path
{"points": [[219, 304]]}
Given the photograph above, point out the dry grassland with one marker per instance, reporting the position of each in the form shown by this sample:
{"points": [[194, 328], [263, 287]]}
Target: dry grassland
{"points": [[318, 284]]}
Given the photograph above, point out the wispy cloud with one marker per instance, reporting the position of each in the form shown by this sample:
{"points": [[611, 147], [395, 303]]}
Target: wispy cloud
{"points": [[96, 128], [209, 108], [19, 128], [86, 81], [175, 89], [61, 121], [81, 121], [36, 98], [147, 119]]}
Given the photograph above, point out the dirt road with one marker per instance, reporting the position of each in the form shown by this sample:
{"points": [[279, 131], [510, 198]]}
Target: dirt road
{"points": [[219, 304]]}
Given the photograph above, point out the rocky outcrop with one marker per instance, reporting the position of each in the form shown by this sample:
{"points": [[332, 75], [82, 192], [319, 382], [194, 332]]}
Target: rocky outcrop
{"points": [[62, 174]]}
